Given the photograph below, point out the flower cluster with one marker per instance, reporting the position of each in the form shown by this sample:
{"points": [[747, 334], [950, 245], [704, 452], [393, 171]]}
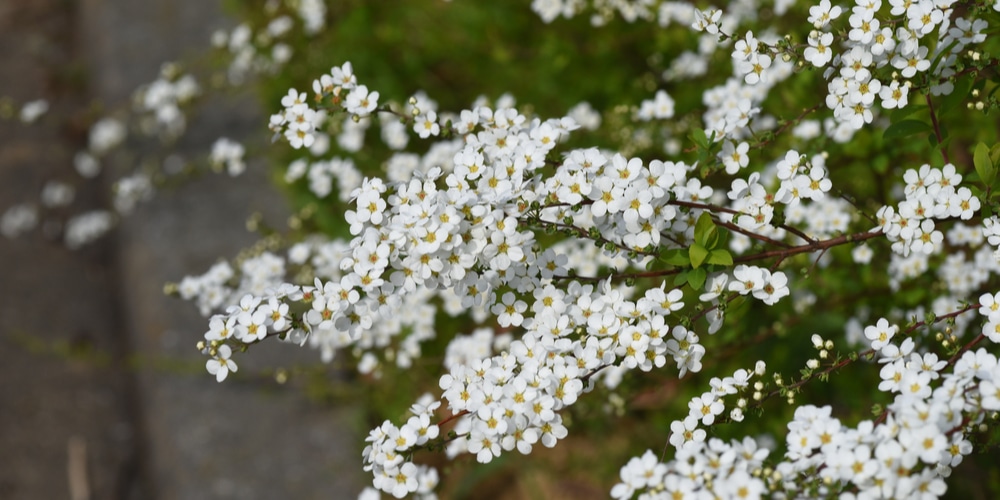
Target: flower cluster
{"points": [[583, 266], [228, 154], [907, 452], [931, 194], [163, 98]]}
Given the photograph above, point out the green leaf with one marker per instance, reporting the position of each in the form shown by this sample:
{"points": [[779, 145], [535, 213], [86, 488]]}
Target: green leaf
{"points": [[720, 257], [699, 138], [698, 254], [681, 278], [705, 232], [696, 278], [957, 95], [675, 257], [904, 128], [995, 152], [941, 54], [898, 114], [984, 165], [723, 238]]}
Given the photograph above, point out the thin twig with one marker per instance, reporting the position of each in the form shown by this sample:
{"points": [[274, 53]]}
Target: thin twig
{"points": [[937, 128]]}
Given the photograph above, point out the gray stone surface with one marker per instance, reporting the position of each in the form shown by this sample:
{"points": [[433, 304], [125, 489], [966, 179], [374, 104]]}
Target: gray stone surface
{"points": [[208, 440], [91, 351], [67, 420]]}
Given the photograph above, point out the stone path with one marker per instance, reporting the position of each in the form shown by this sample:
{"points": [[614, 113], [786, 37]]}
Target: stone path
{"points": [[102, 394]]}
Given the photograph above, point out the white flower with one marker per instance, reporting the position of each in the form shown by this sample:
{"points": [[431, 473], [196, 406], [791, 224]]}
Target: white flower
{"points": [[880, 334], [819, 52], [734, 157], [221, 365], [774, 288], [747, 279], [821, 15], [360, 102], [714, 288], [426, 125]]}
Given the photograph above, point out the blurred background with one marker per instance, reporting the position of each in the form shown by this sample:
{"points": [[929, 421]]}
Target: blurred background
{"points": [[102, 393]]}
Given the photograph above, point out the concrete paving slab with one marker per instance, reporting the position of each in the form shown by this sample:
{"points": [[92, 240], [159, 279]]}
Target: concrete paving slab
{"points": [[67, 418], [101, 385], [208, 440]]}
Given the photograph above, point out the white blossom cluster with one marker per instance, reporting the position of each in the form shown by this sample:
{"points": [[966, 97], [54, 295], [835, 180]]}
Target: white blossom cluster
{"points": [[463, 225], [702, 469], [322, 173], [162, 100], [104, 135], [907, 452], [87, 227], [386, 454], [259, 50], [216, 287], [931, 193], [469, 231], [228, 154]]}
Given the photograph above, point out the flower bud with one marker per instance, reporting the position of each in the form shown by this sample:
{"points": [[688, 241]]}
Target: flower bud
{"points": [[760, 368]]}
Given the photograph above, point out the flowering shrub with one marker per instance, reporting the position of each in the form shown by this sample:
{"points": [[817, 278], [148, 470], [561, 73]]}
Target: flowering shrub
{"points": [[793, 260]]}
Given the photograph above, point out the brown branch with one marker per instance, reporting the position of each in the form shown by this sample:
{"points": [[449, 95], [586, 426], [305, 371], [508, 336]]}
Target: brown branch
{"points": [[781, 254], [716, 208], [869, 352], [937, 128], [760, 237], [453, 417]]}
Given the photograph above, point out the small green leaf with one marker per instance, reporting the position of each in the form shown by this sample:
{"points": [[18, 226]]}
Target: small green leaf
{"points": [[704, 230], [713, 238], [898, 114], [941, 53], [984, 165], [699, 138], [723, 238], [698, 255], [720, 257], [904, 128], [995, 153], [696, 278], [959, 94], [681, 278], [675, 257]]}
